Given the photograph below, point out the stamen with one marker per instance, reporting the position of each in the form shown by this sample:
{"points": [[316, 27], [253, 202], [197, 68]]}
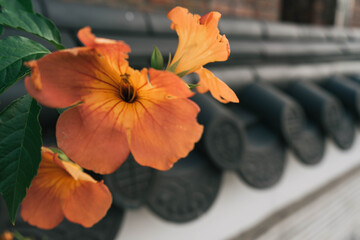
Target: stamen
{"points": [[125, 77], [127, 92]]}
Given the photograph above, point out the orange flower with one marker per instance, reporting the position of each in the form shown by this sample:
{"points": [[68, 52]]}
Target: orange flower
{"points": [[6, 235], [199, 44], [60, 189], [119, 109]]}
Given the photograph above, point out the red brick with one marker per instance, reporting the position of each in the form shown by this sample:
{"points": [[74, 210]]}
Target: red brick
{"points": [[221, 6], [267, 15], [241, 11], [260, 9], [198, 6], [267, 4], [162, 2]]}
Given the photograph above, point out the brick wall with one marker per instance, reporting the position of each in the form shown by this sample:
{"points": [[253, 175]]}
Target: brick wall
{"points": [[318, 9], [355, 16], [314, 12], [254, 9]]}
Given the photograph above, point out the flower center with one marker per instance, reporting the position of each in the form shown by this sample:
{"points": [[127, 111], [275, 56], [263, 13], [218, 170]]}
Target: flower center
{"points": [[126, 91]]}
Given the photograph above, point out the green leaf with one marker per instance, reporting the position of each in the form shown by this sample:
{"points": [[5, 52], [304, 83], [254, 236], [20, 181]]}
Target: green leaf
{"points": [[33, 23], [1, 29], [15, 5], [19, 236], [14, 51], [20, 150], [62, 110], [157, 60], [173, 67], [60, 154], [191, 86], [183, 73]]}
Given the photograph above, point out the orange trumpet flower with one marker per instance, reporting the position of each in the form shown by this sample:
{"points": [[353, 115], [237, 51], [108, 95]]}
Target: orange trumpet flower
{"points": [[199, 44], [61, 189], [7, 236], [118, 109]]}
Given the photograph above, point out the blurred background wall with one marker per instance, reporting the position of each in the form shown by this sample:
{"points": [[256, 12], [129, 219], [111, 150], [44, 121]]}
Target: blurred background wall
{"points": [[314, 12]]}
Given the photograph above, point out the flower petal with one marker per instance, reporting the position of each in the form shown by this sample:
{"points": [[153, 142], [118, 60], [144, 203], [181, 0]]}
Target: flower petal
{"points": [[94, 143], [88, 203], [7, 235], [41, 208], [169, 84], [199, 40], [74, 170], [218, 89], [62, 78], [42, 205], [116, 51], [167, 129]]}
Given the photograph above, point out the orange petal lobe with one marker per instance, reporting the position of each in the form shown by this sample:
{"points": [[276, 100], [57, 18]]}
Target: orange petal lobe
{"points": [[199, 40], [167, 129], [95, 142], [42, 205], [41, 208], [88, 203], [218, 89], [7, 235], [116, 51], [62, 78], [169, 82], [204, 18], [74, 170]]}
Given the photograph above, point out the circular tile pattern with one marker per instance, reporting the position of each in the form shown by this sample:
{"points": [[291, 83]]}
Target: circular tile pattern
{"points": [[186, 191], [130, 184], [224, 142]]}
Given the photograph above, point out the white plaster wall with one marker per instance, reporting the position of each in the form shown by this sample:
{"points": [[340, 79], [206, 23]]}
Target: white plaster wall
{"points": [[239, 206]]}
